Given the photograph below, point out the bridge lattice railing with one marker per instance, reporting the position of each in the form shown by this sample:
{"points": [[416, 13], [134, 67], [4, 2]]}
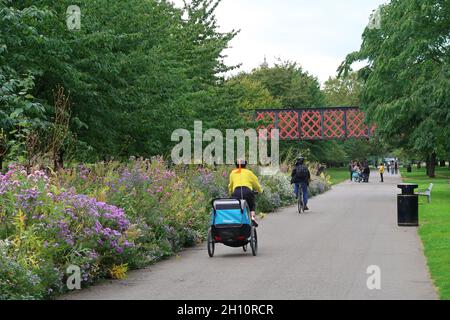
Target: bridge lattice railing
{"points": [[316, 124]]}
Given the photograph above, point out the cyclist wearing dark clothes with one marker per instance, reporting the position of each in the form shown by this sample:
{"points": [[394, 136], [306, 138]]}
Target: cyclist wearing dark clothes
{"points": [[300, 178]]}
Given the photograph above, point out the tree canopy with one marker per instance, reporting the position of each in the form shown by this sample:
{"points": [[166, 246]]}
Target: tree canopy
{"points": [[407, 78], [139, 69], [290, 84], [343, 91], [135, 71]]}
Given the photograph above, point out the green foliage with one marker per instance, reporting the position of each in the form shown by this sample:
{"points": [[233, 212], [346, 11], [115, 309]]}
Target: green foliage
{"points": [[16, 282], [407, 79], [20, 112], [288, 83], [344, 91], [252, 94], [133, 77]]}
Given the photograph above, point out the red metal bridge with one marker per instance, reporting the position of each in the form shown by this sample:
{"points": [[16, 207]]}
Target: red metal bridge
{"points": [[316, 123]]}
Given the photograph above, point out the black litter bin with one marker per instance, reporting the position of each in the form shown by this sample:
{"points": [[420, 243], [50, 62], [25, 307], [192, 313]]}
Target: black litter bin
{"points": [[408, 206]]}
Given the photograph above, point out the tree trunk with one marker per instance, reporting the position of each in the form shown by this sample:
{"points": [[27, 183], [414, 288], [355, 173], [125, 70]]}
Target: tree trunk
{"points": [[431, 170], [442, 163]]}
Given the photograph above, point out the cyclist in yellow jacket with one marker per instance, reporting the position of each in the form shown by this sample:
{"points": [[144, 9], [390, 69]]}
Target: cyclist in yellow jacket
{"points": [[242, 184]]}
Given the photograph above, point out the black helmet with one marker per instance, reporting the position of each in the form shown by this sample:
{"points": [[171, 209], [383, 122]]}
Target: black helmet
{"points": [[241, 162]]}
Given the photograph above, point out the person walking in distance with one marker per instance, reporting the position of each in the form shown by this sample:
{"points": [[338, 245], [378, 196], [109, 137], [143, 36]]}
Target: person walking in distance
{"points": [[350, 170], [381, 169]]}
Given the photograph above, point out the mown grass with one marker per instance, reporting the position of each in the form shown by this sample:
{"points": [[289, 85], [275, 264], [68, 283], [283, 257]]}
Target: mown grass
{"points": [[435, 225], [338, 175]]}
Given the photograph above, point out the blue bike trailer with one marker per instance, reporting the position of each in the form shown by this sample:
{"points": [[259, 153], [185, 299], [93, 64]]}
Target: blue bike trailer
{"points": [[230, 213]]}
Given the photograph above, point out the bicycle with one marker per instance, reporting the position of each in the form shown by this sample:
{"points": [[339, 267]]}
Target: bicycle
{"points": [[300, 204]]}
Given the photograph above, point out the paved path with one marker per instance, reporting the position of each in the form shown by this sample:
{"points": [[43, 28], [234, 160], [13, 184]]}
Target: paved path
{"points": [[323, 254]]}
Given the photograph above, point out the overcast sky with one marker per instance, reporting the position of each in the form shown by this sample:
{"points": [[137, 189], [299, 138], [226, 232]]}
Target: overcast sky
{"points": [[318, 34]]}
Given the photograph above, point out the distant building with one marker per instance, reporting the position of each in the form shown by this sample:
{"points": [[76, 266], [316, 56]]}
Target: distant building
{"points": [[264, 65]]}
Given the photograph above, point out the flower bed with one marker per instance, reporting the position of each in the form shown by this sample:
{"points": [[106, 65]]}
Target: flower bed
{"points": [[107, 218], [46, 229]]}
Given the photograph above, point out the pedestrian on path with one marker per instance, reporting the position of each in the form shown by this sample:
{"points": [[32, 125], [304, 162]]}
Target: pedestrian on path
{"points": [[381, 168], [366, 173], [396, 167], [350, 169]]}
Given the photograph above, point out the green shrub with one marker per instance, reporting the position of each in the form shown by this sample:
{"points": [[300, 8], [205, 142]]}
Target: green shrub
{"points": [[16, 282]]}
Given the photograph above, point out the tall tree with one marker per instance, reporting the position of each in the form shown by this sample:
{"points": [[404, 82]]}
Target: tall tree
{"points": [[252, 94], [343, 91], [407, 79], [287, 82], [131, 70], [21, 114]]}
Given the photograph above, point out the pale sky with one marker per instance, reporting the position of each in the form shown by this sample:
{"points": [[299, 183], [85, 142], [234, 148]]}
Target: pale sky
{"points": [[317, 34]]}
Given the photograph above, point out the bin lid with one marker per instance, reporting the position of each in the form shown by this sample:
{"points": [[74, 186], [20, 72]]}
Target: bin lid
{"points": [[407, 186]]}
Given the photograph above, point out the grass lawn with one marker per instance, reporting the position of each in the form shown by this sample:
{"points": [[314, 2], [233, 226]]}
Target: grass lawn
{"points": [[435, 225], [338, 175]]}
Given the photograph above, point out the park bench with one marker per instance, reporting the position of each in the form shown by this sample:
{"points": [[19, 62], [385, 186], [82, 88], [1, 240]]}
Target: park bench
{"points": [[426, 193]]}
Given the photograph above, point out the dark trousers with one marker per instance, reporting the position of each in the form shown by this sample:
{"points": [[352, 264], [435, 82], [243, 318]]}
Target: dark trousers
{"points": [[304, 187], [247, 194], [381, 175], [351, 175]]}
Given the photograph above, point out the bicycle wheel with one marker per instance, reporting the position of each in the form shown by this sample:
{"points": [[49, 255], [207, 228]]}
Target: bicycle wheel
{"points": [[254, 241], [211, 244], [301, 207]]}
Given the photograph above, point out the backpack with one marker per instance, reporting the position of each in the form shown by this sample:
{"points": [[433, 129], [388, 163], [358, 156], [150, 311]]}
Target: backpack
{"points": [[301, 173]]}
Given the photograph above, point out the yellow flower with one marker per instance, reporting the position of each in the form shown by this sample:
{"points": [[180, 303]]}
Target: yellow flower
{"points": [[101, 194], [20, 221], [119, 272]]}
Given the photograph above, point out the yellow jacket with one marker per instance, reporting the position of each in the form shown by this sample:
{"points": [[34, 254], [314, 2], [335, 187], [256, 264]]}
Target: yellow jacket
{"points": [[382, 169], [245, 178]]}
